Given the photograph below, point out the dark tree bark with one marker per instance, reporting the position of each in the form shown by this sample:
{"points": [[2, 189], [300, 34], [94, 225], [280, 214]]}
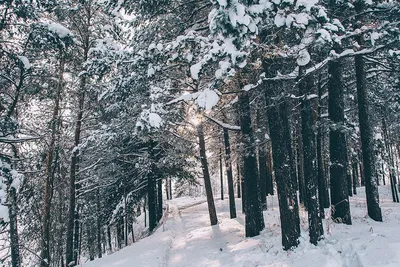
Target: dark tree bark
{"points": [[262, 166], [269, 182], [151, 201], [159, 200], [109, 238], [287, 196], [206, 175], [170, 188], [98, 225], [228, 166], [300, 167], [355, 178], [337, 146], [221, 174], [77, 234], [253, 214], [238, 180], [51, 163], [166, 188], [367, 141], [322, 183], [392, 177], [310, 159]]}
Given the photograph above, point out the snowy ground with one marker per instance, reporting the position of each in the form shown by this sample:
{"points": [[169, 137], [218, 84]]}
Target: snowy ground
{"points": [[187, 240]]}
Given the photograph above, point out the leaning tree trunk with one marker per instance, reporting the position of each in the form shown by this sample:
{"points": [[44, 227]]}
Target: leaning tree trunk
{"points": [[206, 175], [310, 159], [337, 146], [228, 167], [367, 142], [51, 163], [254, 221]]}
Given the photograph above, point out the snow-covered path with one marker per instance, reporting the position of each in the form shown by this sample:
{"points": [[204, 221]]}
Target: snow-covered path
{"points": [[189, 241]]}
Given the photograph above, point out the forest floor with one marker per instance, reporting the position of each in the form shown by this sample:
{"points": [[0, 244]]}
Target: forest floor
{"points": [[186, 239]]}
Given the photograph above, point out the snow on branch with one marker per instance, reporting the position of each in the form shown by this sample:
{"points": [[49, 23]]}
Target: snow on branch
{"points": [[223, 125]]}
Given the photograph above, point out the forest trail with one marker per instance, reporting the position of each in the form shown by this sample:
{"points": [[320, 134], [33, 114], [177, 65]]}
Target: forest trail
{"points": [[187, 240]]}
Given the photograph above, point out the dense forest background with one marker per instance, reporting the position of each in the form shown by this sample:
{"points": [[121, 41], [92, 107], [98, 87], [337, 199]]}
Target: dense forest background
{"points": [[108, 108]]}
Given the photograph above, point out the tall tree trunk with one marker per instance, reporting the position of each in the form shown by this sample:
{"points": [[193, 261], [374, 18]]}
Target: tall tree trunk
{"points": [[77, 233], [170, 188], [322, 183], [159, 200], [367, 142], [238, 179], [166, 188], [300, 166], [51, 163], [389, 157], [270, 184], [98, 225], [206, 175], [254, 221], [221, 174], [228, 167], [73, 170], [287, 196], [12, 213], [310, 159], [151, 201], [355, 178], [337, 146]]}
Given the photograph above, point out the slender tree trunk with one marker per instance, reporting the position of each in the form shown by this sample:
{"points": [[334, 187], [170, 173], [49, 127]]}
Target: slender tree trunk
{"points": [[166, 188], [337, 146], [270, 184], [206, 175], [98, 225], [395, 195], [160, 200], [310, 160], [300, 167], [151, 201], [77, 233], [73, 169], [238, 180], [12, 213], [170, 188], [109, 238], [51, 163], [221, 174], [355, 178], [253, 214], [228, 167]]}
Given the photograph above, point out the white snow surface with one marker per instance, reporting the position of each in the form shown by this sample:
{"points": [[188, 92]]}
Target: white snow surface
{"points": [[58, 29], [25, 62], [187, 239]]}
